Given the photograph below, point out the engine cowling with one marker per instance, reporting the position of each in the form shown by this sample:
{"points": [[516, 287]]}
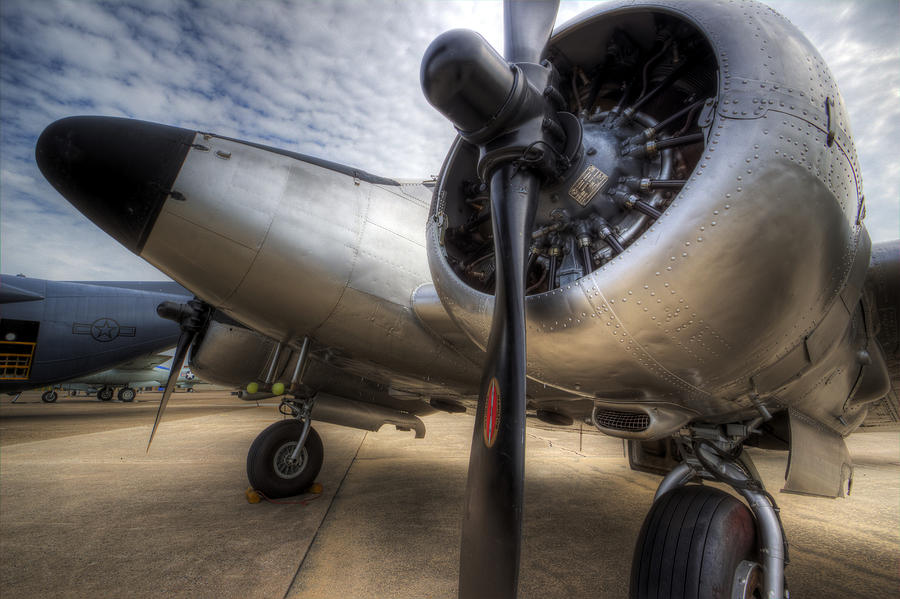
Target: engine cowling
{"points": [[706, 247]]}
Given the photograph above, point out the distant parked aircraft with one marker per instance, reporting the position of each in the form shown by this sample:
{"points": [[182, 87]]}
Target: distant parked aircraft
{"points": [[146, 371], [55, 331]]}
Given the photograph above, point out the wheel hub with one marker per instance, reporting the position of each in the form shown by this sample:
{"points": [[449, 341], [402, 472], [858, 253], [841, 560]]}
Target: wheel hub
{"points": [[747, 581], [284, 466]]}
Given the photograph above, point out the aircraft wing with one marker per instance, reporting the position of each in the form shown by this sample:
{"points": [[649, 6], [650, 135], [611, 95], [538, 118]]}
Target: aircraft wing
{"points": [[144, 362]]}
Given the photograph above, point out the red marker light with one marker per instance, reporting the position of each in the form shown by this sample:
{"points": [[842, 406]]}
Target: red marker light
{"points": [[492, 413]]}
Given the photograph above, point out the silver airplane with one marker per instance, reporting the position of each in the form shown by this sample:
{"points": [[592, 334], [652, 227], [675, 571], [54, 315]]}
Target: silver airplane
{"points": [[664, 197]]}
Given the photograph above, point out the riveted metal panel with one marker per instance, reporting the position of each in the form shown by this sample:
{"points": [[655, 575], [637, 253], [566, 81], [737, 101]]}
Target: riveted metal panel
{"points": [[181, 246], [247, 186], [314, 236], [741, 268], [390, 260]]}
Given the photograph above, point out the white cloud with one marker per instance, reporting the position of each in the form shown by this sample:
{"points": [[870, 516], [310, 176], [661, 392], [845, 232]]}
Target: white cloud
{"points": [[339, 80], [860, 44]]}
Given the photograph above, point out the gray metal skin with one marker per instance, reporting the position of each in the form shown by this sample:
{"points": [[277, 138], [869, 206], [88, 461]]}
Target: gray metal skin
{"points": [[68, 345], [334, 257], [749, 285]]}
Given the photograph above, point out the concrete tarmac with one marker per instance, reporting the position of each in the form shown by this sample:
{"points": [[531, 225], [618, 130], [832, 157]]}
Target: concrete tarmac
{"points": [[85, 511]]}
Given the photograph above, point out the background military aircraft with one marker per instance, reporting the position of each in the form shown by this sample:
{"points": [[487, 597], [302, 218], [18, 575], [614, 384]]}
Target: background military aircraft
{"points": [[147, 371], [675, 200], [55, 331]]}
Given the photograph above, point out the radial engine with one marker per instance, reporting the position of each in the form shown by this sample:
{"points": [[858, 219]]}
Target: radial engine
{"points": [[705, 244]]}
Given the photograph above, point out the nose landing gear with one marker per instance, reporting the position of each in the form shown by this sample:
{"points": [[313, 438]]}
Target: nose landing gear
{"points": [[698, 541], [286, 457]]}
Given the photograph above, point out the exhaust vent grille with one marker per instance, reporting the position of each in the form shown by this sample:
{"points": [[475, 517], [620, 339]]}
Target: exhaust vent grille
{"points": [[622, 421]]}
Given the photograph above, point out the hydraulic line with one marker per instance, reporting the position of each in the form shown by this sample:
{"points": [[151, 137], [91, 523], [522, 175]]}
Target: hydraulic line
{"points": [[649, 62], [668, 121], [665, 83]]}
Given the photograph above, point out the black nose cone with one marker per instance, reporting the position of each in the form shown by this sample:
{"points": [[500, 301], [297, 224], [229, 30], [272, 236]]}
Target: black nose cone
{"points": [[117, 172]]}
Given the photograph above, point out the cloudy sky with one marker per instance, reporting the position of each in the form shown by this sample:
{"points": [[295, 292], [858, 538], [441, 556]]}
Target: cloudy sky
{"points": [[339, 80]]}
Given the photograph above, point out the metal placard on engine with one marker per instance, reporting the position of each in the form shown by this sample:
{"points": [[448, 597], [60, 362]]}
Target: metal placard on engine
{"points": [[588, 184]]}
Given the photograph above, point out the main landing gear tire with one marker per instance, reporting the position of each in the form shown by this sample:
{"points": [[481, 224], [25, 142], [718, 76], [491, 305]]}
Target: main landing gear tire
{"points": [[125, 394], [105, 394], [697, 542], [48, 396], [268, 468]]}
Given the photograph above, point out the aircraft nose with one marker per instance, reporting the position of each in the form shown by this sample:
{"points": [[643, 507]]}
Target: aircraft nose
{"points": [[116, 171]]}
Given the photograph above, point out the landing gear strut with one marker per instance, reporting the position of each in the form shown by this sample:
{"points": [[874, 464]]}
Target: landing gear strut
{"points": [[698, 540], [286, 457]]}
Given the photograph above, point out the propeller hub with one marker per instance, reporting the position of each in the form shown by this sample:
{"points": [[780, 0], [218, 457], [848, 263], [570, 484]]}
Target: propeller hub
{"points": [[507, 110], [465, 79], [192, 316]]}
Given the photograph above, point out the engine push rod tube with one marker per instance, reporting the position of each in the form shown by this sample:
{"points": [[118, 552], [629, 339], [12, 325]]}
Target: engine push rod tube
{"points": [[665, 184], [638, 184], [679, 141], [651, 148], [645, 208]]}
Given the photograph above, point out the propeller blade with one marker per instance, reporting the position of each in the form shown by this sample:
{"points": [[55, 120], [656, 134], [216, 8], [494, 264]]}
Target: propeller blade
{"points": [[192, 317], [506, 111], [492, 522], [527, 25], [184, 343]]}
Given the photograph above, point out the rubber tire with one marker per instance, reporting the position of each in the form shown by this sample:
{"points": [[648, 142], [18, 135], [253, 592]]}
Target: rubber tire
{"points": [[105, 394], [261, 470], [691, 544], [126, 394], [48, 396]]}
